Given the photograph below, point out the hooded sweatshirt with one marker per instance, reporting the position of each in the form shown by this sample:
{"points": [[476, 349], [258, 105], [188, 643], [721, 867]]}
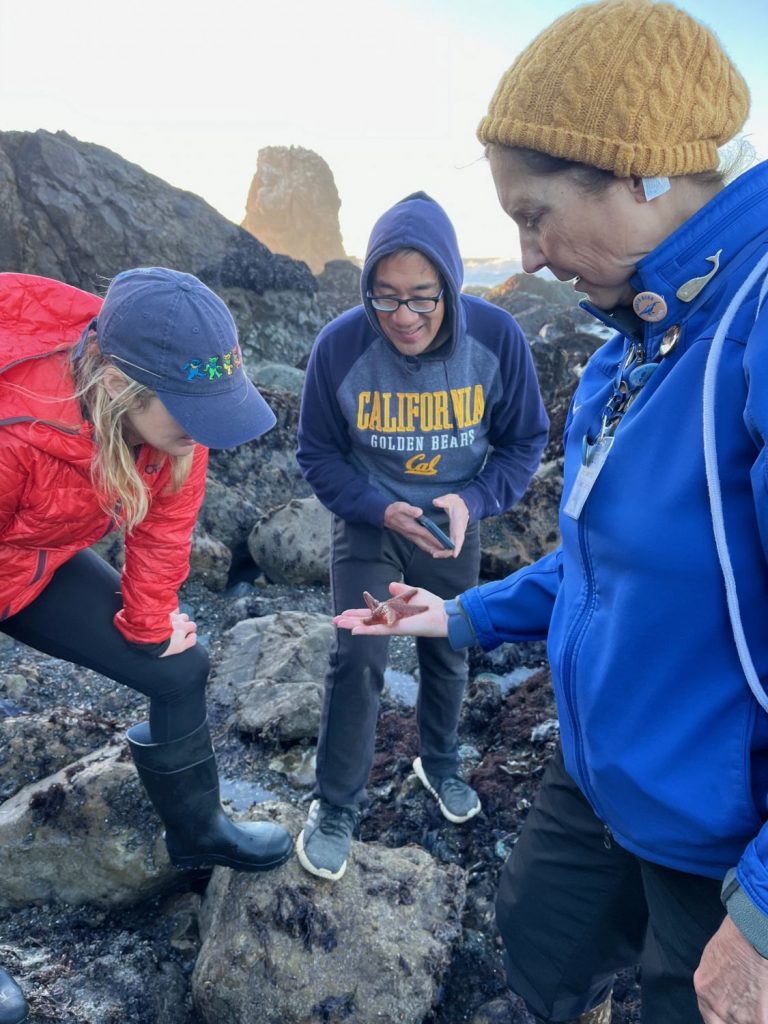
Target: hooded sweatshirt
{"points": [[465, 416]]}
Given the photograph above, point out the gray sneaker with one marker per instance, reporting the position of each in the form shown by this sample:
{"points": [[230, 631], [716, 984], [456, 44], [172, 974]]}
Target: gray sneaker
{"points": [[323, 845], [457, 800]]}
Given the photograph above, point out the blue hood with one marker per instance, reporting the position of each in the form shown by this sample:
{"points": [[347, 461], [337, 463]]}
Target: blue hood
{"points": [[418, 222]]}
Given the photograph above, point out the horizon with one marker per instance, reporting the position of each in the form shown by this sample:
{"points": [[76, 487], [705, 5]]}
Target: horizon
{"points": [[389, 96]]}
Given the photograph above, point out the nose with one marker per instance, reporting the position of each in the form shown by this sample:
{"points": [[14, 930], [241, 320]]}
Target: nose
{"points": [[531, 254], [403, 315]]}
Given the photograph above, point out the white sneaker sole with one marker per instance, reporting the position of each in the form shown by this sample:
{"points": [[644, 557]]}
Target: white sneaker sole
{"points": [[455, 818], [306, 863]]}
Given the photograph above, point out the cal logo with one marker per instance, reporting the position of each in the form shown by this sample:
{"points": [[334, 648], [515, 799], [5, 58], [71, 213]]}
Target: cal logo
{"points": [[417, 465]]}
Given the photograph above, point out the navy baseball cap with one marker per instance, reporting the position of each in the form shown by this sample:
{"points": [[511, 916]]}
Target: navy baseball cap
{"points": [[168, 330]]}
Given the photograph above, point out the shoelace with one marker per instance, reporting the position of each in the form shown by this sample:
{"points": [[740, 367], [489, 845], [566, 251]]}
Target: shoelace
{"points": [[337, 821]]}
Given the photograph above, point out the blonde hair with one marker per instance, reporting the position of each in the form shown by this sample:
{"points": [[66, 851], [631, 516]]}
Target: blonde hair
{"points": [[113, 468]]}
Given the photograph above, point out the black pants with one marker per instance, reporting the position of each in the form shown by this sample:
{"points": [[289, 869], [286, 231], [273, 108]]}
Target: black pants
{"points": [[72, 620], [366, 558], [573, 908]]}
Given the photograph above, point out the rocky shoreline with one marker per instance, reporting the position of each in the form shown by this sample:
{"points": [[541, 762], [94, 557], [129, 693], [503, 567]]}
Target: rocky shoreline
{"points": [[94, 922]]}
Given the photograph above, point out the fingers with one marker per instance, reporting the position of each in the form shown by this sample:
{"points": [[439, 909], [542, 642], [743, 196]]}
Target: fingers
{"points": [[398, 589], [183, 634]]}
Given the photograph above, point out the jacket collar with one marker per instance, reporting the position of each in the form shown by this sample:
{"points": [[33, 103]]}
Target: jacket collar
{"points": [[691, 266]]}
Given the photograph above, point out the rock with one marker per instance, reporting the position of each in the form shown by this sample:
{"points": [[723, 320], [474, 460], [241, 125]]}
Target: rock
{"points": [[559, 293], [264, 472], [373, 947], [228, 515], [553, 367], [115, 978], [35, 746], [276, 326], [525, 533], [289, 378], [83, 835], [293, 543], [209, 559], [497, 1011], [271, 672], [293, 206], [338, 287], [80, 213], [297, 765], [549, 730]]}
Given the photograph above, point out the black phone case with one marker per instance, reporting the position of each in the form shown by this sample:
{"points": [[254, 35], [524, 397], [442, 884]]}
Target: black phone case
{"points": [[436, 532]]}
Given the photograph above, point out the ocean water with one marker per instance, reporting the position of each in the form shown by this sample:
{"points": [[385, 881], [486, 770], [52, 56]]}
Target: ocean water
{"points": [[486, 273]]}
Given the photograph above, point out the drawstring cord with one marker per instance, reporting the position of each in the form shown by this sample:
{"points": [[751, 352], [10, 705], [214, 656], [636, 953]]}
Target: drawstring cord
{"points": [[713, 479]]}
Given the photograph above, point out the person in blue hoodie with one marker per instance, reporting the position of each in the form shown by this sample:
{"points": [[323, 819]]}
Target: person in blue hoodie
{"points": [[648, 843], [421, 402]]}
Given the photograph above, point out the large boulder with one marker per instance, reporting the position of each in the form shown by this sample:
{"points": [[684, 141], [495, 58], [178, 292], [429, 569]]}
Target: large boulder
{"points": [[35, 746], [84, 835], [289, 949], [292, 544], [293, 206], [78, 212], [270, 674]]}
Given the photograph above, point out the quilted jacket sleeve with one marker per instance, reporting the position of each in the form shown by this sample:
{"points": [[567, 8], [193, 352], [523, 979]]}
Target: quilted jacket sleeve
{"points": [[13, 477], [157, 558]]}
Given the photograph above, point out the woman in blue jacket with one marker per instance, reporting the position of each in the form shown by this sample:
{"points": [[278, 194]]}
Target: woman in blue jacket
{"points": [[603, 143]]}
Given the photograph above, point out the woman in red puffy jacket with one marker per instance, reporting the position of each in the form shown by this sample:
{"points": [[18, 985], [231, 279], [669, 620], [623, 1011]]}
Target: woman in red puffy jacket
{"points": [[107, 411]]}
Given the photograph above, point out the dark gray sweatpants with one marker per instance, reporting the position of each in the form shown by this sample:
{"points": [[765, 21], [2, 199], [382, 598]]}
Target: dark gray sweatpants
{"points": [[367, 558]]}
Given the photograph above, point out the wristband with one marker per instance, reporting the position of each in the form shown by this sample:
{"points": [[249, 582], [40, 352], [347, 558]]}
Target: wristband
{"points": [[750, 921]]}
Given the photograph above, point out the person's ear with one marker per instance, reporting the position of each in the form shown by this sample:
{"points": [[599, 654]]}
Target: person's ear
{"points": [[635, 186], [114, 381]]}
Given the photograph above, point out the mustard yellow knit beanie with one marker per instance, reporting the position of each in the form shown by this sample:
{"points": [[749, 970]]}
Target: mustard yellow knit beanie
{"points": [[631, 86]]}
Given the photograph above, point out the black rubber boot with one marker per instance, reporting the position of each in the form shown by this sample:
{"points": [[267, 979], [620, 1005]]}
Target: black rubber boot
{"points": [[13, 1005], [183, 785]]}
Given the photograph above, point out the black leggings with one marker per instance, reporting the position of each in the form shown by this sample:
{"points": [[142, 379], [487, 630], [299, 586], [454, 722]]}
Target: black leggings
{"points": [[72, 620]]}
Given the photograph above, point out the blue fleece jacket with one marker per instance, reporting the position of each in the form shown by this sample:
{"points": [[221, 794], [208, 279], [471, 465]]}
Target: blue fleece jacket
{"points": [[467, 417], [659, 727]]}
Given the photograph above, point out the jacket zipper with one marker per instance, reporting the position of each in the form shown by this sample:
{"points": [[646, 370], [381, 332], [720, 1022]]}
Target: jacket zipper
{"points": [[573, 641]]}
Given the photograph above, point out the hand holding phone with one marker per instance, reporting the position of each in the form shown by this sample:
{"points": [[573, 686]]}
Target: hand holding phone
{"points": [[436, 532]]}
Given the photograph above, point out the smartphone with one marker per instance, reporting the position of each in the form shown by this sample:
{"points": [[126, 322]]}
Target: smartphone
{"points": [[436, 532]]}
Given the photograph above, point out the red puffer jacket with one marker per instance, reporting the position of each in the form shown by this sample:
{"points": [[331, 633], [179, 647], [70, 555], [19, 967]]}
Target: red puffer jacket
{"points": [[49, 509]]}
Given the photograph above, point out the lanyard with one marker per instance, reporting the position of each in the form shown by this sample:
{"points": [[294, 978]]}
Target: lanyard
{"points": [[632, 374]]}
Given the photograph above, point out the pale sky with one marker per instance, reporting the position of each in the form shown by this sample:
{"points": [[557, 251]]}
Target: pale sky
{"points": [[389, 93]]}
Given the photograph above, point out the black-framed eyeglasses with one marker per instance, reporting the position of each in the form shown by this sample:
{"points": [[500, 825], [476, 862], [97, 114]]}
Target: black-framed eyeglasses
{"points": [[390, 304]]}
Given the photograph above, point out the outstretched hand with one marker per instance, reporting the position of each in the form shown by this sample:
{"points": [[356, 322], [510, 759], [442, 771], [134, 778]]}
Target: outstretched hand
{"points": [[184, 634], [731, 981], [432, 622]]}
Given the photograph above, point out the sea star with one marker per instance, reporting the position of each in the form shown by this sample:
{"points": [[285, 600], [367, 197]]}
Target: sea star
{"points": [[388, 612]]}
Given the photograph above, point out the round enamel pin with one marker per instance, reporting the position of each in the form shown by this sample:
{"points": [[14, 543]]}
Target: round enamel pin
{"points": [[650, 306]]}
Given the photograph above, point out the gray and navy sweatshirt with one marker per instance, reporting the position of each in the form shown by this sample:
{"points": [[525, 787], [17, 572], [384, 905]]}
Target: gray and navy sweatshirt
{"points": [[377, 426]]}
